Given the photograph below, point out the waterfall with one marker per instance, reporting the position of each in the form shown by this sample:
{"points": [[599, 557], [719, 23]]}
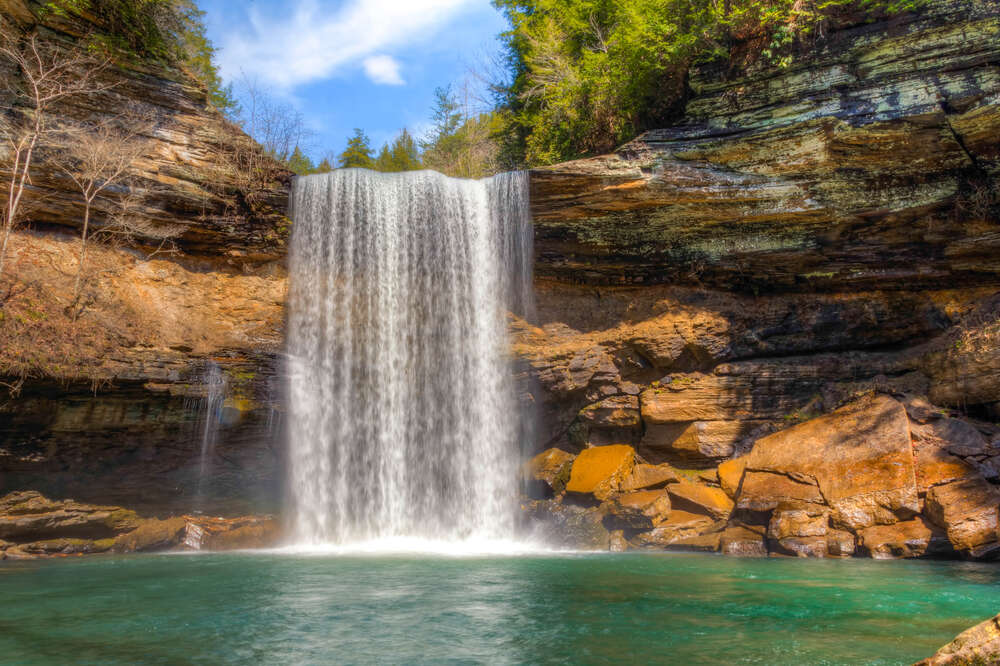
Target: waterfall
{"points": [[210, 417], [403, 419]]}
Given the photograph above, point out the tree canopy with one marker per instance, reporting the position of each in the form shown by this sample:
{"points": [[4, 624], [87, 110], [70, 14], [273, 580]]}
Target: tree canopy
{"points": [[587, 75], [358, 152]]}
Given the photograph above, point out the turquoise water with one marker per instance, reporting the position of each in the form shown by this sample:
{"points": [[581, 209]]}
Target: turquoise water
{"points": [[559, 609]]}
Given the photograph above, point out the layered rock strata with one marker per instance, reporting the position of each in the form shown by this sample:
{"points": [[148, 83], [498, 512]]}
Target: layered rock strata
{"points": [[32, 527], [882, 476]]}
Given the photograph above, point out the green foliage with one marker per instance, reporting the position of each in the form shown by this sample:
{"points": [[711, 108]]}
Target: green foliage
{"points": [[587, 75], [460, 144], [402, 155], [171, 31], [358, 153], [324, 166], [299, 163]]}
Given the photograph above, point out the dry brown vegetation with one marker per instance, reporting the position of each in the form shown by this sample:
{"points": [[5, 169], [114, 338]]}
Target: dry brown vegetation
{"points": [[129, 305]]}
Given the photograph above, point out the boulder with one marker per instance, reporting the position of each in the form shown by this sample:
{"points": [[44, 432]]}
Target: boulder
{"points": [[909, 538], [639, 510], [731, 474], [859, 458], [645, 476], [680, 525], [547, 473], [742, 542], [840, 543], [601, 470], [152, 535], [694, 442], [802, 546], [967, 509], [798, 519], [698, 498], [764, 491], [619, 411], [977, 646], [28, 516], [702, 542], [569, 526], [242, 533]]}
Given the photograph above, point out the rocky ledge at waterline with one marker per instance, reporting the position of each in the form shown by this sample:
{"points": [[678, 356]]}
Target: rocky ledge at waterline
{"points": [[32, 526], [882, 476]]}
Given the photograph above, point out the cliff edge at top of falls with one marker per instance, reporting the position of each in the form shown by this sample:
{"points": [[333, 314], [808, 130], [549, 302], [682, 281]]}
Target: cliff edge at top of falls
{"points": [[871, 162]]}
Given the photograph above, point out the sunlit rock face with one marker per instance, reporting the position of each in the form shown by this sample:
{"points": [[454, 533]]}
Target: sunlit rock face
{"points": [[869, 162], [803, 234]]}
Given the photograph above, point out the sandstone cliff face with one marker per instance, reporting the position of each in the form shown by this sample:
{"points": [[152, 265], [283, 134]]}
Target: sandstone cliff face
{"points": [[112, 407], [807, 234], [870, 163]]}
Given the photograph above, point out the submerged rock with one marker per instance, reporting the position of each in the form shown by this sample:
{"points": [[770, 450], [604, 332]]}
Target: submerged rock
{"points": [[977, 646]]}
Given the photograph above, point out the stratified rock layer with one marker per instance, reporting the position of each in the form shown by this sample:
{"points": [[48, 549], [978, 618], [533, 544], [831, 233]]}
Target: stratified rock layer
{"points": [[842, 484]]}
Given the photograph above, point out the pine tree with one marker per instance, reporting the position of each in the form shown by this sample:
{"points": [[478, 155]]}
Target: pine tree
{"points": [[384, 160], [299, 163], [446, 117], [324, 166], [358, 152], [404, 154]]}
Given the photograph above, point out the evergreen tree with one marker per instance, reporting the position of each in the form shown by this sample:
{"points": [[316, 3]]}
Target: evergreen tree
{"points": [[401, 155], [300, 164], [358, 152], [324, 166], [404, 154], [445, 116], [384, 160]]}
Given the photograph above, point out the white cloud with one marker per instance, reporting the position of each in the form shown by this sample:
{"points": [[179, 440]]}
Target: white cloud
{"points": [[384, 70], [311, 42]]}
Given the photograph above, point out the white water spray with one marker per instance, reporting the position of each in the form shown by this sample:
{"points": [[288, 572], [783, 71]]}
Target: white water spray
{"points": [[403, 421]]}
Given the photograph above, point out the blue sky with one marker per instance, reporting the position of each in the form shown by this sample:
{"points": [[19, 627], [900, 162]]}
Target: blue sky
{"points": [[372, 64]]}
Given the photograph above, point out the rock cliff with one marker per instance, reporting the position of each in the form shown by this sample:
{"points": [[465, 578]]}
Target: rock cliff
{"points": [[807, 235], [111, 407]]}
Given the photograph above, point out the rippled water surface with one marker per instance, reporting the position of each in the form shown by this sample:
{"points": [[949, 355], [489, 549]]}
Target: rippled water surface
{"points": [[552, 609]]}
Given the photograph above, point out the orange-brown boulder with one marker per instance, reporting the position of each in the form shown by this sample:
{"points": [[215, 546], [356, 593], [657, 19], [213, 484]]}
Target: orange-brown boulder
{"points": [[763, 491], [840, 543], [642, 509], [731, 474], [680, 525], [935, 465], [601, 470], [977, 646], [798, 519], [742, 542], [968, 510], [859, 456], [645, 476], [909, 538], [203, 533], [151, 535], [802, 546], [698, 498], [547, 473]]}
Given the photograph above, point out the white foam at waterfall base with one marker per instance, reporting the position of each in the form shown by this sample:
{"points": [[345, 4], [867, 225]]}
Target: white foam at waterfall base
{"points": [[403, 421]]}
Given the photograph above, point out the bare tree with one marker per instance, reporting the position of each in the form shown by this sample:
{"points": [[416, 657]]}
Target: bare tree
{"points": [[275, 125], [43, 73], [99, 158]]}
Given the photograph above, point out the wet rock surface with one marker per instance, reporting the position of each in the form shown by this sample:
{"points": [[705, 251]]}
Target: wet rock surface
{"points": [[34, 526]]}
